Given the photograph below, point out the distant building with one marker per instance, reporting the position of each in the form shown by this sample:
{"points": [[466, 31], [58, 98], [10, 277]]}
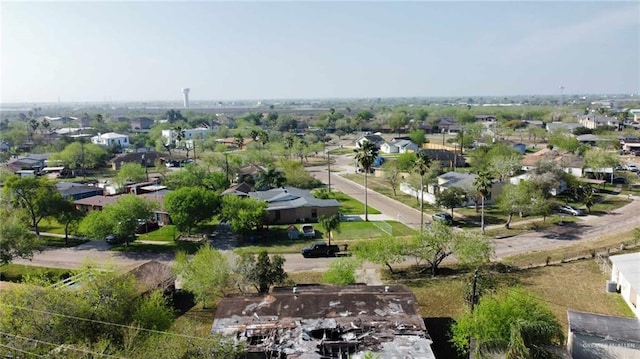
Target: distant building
{"points": [[399, 146], [171, 136], [594, 121], [141, 123], [377, 140], [290, 205], [111, 139]]}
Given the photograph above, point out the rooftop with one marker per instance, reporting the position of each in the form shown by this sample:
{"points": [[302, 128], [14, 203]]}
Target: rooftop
{"points": [[315, 320], [629, 266], [605, 326]]}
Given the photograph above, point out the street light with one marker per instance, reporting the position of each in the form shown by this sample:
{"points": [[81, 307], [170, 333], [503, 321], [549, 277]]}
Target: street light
{"points": [[144, 163], [442, 137]]}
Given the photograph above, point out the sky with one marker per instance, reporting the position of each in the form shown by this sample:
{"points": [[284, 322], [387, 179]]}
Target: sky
{"points": [[148, 51]]}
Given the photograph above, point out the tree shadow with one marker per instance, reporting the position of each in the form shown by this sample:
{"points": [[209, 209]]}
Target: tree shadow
{"points": [[439, 329]]}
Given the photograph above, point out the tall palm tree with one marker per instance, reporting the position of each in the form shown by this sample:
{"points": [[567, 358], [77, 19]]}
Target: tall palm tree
{"points": [[365, 156], [482, 184], [271, 178], [421, 166]]}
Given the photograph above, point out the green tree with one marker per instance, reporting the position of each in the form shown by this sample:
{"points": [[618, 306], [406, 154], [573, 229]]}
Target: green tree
{"points": [[482, 184], [418, 136], [330, 223], [119, 218], [392, 175], [451, 198], [130, 172], [33, 195], [238, 140], [599, 161], [16, 241], [296, 176], [81, 155], [243, 214], [517, 199], [382, 250], [440, 241], [207, 274], [342, 271], [190, 206], [505, 165], [366, 154], [154, 312], [421, 167], [271, 178], [405, 161], [66, 213], [261, 272], [398, 120], [511, 322]]}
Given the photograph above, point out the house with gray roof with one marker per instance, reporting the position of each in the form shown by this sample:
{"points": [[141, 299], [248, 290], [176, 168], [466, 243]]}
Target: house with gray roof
{"points": [[291, 205], [77, 191], [598, 336], [558, 126], [377, 140], [399, 146]]}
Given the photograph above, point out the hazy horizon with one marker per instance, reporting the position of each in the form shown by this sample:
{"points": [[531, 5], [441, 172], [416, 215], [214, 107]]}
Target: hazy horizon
{"points": [[148, 51]]}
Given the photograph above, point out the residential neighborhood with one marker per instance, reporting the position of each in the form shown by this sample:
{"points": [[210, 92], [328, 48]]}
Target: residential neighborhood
{"points": [[320, 180]]}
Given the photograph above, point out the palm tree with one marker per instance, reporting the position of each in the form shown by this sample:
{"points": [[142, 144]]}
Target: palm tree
{"points": [[482, 184], [330, 223], [271, 178], [239, 141], [421, 166], [365, 156]]}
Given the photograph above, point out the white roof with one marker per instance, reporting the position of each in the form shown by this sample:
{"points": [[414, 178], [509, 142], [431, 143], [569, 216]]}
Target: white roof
{"points": [[629, 267], [110, 135]]}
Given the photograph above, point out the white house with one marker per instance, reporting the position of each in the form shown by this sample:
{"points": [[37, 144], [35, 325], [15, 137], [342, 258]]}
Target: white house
{"points": [[111, 139], [625, 272], [636, 114], [399, 146], [171, 136], [376, 139], [598, 336]]}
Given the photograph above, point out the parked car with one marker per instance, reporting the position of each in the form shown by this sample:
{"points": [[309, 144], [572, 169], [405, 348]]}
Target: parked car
{"points": [[320, 249], [570, 210], [146, 226], [443, 217], [631, 167], [308, 231], [116, 239], [619, 180]]}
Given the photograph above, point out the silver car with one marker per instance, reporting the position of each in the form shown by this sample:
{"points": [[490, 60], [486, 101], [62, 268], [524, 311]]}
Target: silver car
{"points": [[570, 210]]}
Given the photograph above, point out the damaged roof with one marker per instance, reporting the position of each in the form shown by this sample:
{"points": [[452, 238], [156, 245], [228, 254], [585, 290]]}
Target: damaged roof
{"points": [[319, 321]]}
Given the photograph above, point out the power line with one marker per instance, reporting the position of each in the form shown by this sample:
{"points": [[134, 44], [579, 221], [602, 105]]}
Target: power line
{"points": [[21, 351], [57, 345], [106, 323]]}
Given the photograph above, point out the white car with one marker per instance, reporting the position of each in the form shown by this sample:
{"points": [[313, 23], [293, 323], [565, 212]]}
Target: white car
{"points": [[570, 210], [632, 167]]}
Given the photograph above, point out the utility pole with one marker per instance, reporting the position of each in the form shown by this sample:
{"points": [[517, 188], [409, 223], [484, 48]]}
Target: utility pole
{"points": [[84, 172], [329, 169]]}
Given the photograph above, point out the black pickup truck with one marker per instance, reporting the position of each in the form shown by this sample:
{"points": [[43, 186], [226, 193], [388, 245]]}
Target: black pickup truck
{"points": [[320, 249]]}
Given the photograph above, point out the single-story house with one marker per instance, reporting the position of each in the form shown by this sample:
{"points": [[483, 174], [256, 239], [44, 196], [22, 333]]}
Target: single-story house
{"points": [[569, 163], [445, 157], [630, 144], [562, 186], [111, 139], [589, 139], [377, 140], [98, 202], [635, 113], [625, 272], [598, 336], [486, 118], [321, 321], [567, 126], [78, 191], [248, 173], [151, 276], [399, 146], [290, 205], [32, 162], [141, 123], [240, 189]]}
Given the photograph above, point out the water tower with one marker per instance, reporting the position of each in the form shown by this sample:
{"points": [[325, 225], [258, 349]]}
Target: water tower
{"points": [[185, 97]]}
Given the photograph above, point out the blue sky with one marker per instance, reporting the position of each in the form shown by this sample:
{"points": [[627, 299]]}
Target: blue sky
{"points": [[143, 51]]}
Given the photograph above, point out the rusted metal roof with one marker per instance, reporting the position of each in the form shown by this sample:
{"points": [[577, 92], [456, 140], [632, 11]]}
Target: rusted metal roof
{"points": [[314, 321]]}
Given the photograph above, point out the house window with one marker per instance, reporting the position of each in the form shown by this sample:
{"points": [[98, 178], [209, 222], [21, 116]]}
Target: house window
{"points": [[314, 213]]}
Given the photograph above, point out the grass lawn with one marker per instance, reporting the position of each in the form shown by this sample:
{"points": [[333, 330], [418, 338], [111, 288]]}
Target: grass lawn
{"points": [[59, 242], [163, 247], [556, 285], [342, 151], [538, 224], [275, 239], [17, 272], [349, 205], [381, 186], [50, 225], [163, 234]]}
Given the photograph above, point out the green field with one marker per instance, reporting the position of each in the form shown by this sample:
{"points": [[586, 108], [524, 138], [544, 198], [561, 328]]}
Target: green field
{"points": [[349, 205], [18, 272]]}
